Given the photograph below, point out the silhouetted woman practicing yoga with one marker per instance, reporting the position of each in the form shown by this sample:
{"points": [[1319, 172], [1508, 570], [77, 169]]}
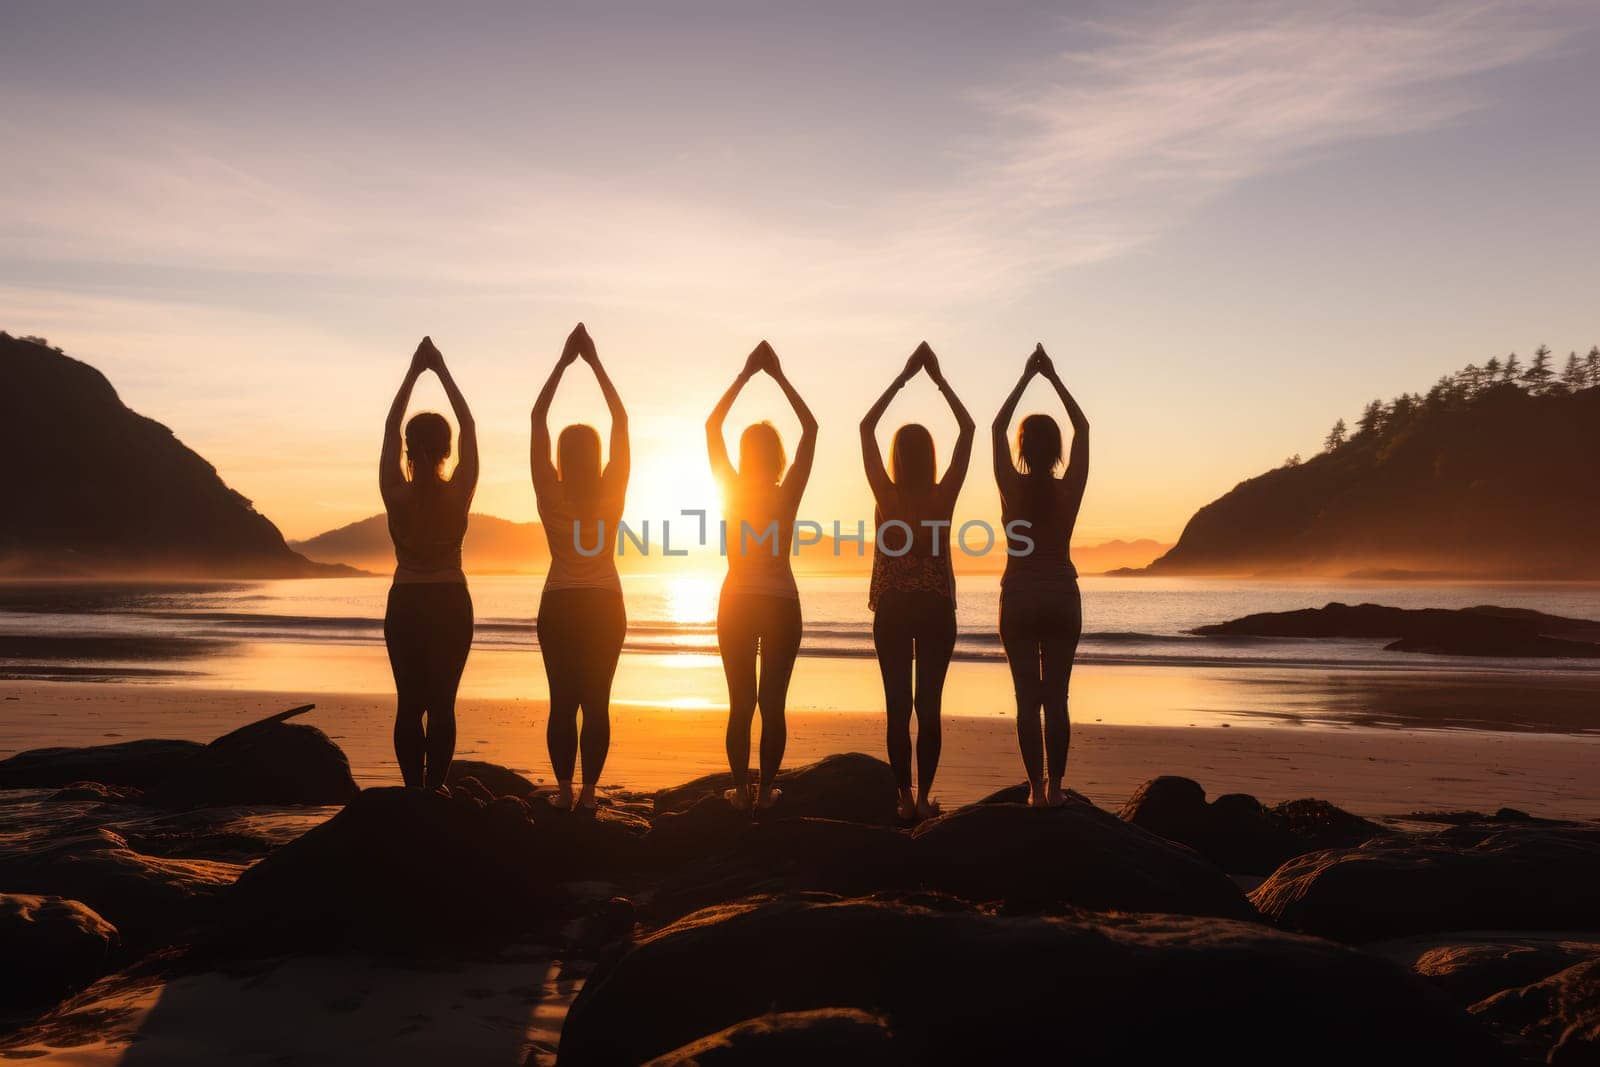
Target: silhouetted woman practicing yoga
{"points": [[1041, 614], [581, 617], [913, 590], [758, 615], [428, 624]]}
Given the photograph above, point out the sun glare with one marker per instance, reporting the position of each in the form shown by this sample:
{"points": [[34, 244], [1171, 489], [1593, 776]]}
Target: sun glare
{"points": [[692, 598]]}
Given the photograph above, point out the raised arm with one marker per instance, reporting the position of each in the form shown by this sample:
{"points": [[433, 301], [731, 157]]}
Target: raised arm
{"points": [[716, 446], [390, 476], [956, 473], [465, 475], [620, 460], [1005, 471], [871, 454], [1076, 477], [543, 470], [794, 483]]}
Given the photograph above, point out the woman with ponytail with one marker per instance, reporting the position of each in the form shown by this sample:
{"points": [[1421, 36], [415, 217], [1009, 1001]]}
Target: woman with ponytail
{"points": [[1041, 613], [913, 590], [582, 621], [428, 624]]}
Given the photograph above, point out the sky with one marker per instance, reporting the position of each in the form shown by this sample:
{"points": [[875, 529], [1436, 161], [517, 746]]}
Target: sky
{"points": [[1229, 222]]}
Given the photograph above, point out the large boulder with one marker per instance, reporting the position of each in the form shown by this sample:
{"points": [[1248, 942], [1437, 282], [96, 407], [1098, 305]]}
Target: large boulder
{"points": [[1495, 877], [848, 787], [1557, 1019], [961, 986], [1236, 831], [791, 855], [139, 764], [150, 899], [1473, 964], [268, 762], [497, 780], [397, 867], [1073, 856], [51, 946], [792, 1039]]}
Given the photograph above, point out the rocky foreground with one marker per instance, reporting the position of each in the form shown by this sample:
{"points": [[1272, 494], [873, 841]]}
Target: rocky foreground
{"points": [[1177, 928]]}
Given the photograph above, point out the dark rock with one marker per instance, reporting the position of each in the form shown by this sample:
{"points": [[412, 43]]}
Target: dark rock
{"points": [[150, 899], [575, 845], [793, 855], [1557, 1019], [498, 780], [1472, 965], [51, 946], [967, 987], [792, 1039], [1236, 831], [1011, 794], [708, 828], [849, 787], [1072, 856], [1479, 631], [397, 868], [268, 762], [140, 764], [1495, 877], [98, 793]]}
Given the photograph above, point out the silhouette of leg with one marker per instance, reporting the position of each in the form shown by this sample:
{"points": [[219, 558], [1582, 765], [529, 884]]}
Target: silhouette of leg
{"points": [[561, 655], [606, 626], [936, 642], [738, 643], [406, 643], [1017, 634], [450, 645], [893, 644], [410, 744], [1060, 647], [780, 644]]}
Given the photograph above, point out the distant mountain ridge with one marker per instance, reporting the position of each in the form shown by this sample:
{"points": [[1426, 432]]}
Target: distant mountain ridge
{"points": [[501, 546], [104, 491], [1487, 476]]}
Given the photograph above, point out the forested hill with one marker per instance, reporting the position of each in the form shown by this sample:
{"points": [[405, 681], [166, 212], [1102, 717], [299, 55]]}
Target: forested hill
{"points": [[95, 489], [1495, 472]]}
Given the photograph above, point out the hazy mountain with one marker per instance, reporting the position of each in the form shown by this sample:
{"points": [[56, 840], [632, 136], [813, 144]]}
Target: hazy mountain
{"points": [[1489, 480], [97, 489]]}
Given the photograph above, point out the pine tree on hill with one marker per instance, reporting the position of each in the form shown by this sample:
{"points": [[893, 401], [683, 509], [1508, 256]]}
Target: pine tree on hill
{"points": [[1539, 373], [1573, 377], [1512, 370], [1591, 365], [1336, 436]]}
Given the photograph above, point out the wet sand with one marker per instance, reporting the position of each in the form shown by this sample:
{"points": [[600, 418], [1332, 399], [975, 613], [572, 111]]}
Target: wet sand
{"points": [[1374, 771]]}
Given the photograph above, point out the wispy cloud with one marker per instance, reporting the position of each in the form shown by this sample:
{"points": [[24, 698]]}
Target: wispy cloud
{"points": [[1094, 150]]}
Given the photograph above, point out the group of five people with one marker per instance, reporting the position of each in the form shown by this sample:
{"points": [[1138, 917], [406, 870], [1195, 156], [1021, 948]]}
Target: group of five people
{"points": [[582, 620]]}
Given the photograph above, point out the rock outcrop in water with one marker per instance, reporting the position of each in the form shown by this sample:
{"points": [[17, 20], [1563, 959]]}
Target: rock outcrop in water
{"points": [[106, 491], [1480, 631]]}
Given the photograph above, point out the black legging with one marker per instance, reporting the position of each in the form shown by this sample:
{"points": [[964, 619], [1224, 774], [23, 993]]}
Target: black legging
{"points": [[1040, 631], [580, 637], [914, 630], [428, 629], [752, 626]]}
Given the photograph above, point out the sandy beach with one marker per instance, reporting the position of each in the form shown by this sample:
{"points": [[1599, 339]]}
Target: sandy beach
{"points": [[1378, 772]]}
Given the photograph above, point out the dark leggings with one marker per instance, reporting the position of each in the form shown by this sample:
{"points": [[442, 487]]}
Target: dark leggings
{"points": [[1040, 631], [752, 627], [428, 628], [580, 637], [915, 635]]}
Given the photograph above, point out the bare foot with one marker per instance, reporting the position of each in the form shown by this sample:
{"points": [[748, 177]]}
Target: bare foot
{"points": [[1036, 795], [586, 799], [1053, 796], [928, 808], [563, 797], [769, 797], [739, 798], [906, 806]]}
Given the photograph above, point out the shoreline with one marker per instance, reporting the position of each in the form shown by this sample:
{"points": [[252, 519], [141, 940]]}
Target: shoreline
{"points": [[1379, 772]]}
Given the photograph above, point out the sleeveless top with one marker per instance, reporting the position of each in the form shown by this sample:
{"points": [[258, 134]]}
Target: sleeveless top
{"points": [[917, 570], [427, 527], [1048, 567], [758, 538], [583, 548]]}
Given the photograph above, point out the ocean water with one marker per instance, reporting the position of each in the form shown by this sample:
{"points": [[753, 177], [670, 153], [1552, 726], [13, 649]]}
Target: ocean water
{"points": [[1138, 662]]}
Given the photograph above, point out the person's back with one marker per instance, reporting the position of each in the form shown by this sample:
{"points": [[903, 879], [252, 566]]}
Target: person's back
{"points": [[427, 523], [582, 535], [759, 530]]}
